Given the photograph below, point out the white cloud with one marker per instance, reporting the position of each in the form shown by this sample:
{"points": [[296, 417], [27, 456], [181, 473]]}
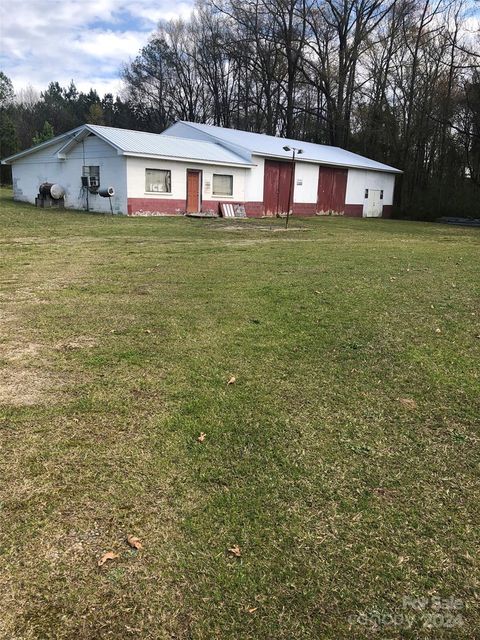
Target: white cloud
{"points": [[87, 41]]}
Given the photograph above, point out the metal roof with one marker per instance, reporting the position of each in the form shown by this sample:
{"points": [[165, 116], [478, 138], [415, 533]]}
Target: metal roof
{"points": [[143, 144], [221, 146], [264, 145]]}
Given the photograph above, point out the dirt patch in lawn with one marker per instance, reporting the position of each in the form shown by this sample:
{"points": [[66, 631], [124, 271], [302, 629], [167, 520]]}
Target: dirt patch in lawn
{"points": [[25, 386]]}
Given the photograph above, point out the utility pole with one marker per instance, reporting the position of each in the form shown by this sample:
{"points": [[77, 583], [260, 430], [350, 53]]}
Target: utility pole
{"points": [[294, 151]]}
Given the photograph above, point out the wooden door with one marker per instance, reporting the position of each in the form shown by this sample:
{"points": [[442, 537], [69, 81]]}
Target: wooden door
{"points": [[193, 191], [332, 188], [285, 186], [276, 187]]}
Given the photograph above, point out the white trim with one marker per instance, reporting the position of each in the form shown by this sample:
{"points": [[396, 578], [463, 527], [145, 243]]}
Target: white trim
{"points": [[189, 160]]}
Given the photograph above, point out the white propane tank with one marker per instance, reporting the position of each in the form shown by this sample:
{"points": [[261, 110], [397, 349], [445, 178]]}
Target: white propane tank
{"points": [[57, 191]]}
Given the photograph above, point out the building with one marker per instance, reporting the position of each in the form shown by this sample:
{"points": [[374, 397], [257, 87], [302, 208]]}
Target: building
{"points": [[194, 167]]}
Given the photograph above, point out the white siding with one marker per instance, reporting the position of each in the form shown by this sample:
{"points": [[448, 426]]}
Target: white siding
{"points": [[359, 180], [44, 166], [136, 179], [254, 186], [307, 173]]}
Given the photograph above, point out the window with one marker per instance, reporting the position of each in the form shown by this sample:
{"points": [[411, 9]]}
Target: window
{"points": [[381, 194], [93, 174], [366, 193], [158, 181], [222, 185]]}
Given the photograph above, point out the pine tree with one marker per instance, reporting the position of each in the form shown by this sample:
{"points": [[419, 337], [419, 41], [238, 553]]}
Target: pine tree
{"points": [[45, 134]]}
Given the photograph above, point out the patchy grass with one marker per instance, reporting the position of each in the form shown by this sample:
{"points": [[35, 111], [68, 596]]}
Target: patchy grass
{"points": [[343, 462]]}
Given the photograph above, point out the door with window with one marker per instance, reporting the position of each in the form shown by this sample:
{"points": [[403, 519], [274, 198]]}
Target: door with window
{"points": [[373, 204], [194, 190]]}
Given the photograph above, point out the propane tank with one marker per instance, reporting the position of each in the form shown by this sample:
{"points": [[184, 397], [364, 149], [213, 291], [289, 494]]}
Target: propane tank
{"points": [[55, 191], [44, 189]]}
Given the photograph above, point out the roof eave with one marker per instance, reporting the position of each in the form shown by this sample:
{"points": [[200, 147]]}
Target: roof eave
{"points": [[328, 164], [38, 147], [159, 156]]}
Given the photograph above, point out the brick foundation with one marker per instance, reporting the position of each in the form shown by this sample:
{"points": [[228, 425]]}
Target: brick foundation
{"points": [[252, 209], [354, 210], [387, 211], [155, 207], [170, 207]]}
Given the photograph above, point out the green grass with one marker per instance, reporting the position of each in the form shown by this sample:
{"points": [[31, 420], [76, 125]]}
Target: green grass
{"points": [[118, 338]]}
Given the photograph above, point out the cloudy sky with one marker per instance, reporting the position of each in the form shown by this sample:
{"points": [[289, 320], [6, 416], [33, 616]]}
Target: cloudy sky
{"points": [[82, 40]]}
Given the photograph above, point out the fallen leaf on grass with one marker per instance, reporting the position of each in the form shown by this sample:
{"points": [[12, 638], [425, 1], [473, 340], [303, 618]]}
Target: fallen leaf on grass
{"points": [[437, 330], [232, 380], [235, 551], [202, 437], [252, 610], [134, 542], [110, 555], [408, 402]]}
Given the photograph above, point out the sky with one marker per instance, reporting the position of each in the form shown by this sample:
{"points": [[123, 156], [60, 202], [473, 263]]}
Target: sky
{"points": [[86, 41]]}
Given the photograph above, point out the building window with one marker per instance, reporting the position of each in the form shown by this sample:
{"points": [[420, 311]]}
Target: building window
{"points": [[222, 185], [158, 181], [92, 172], [381, 194], [366, 193]]}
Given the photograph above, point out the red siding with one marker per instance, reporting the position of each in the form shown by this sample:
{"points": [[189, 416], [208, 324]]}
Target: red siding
{"points": [[304, 208], [276, 187], [332, 187]]}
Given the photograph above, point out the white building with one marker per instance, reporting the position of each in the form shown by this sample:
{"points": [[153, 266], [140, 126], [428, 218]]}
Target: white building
{"points": [[194, 167]]}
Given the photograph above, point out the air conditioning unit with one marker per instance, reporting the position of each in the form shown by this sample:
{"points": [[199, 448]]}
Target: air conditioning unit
{"points": [[90, 182]]}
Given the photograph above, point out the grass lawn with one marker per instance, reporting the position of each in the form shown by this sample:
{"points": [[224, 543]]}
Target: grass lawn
{"points": [[343, 462]]}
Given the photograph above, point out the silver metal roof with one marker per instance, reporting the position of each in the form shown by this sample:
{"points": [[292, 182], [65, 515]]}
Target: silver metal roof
{"points": [[139, 143], [261, 144], [154, 144], [207, 143]]}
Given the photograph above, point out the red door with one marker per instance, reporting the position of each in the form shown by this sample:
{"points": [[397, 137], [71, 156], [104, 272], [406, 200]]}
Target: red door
{"points": [[276, 187], [193, 191], [332, 188]]}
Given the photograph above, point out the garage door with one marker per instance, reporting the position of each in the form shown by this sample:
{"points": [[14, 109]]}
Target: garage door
{"points": [[332, 187], [276, 187]]}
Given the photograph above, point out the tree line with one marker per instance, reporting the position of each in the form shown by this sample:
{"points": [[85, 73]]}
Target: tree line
{"points": [[30, 117], [398, 81]]}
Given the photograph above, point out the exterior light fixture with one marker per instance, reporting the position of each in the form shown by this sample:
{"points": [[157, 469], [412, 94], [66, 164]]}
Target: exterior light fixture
{"points": [[294, 151]]}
